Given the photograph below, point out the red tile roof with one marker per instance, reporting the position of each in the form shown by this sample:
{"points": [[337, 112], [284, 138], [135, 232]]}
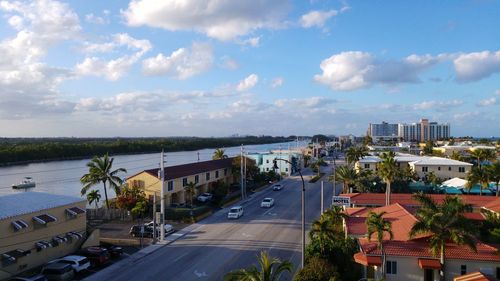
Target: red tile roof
{"points": [[493, 205], [367, 260], [429, 263], [378, 199], [474, 276], [180, 171]]}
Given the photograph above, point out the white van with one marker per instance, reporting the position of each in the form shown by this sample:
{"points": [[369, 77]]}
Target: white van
{"points": [[235, 212]]}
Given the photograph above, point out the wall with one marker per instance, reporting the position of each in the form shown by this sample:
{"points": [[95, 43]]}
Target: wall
{"points": [[441, 171]]}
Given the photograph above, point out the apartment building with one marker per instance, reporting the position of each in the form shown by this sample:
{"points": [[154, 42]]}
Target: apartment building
{"points": [[383, 131], [204, 174], [265, 161], [423, 131], [37, 227]]}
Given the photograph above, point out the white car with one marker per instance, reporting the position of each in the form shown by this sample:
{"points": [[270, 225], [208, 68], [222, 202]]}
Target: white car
{"points": [[277, 187], [78, 263], [267, 203], [235, 212], [168, 227], [205, 197]]}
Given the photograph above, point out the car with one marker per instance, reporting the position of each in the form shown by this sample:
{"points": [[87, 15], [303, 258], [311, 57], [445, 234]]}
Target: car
{"points": [[141, 231], [114, 251], [78, 263], [277, 187], [38, 277], [98, 256], [267, 203], [235, 212], [58, 271], [168, 227], [205, 197]]}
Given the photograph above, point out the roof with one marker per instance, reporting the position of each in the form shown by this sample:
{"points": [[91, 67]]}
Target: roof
{"points": [[493, 205], [367, 260], [474, 276], [22, 203], [429, 263], [179, 171], [420, 248], [455, 182], [405, 199], [439, 161]]}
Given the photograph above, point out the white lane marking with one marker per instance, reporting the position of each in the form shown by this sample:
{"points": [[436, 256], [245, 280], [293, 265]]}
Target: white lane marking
{"points": [[200, 274], [246, 235], [180, 257], [268, 211]]}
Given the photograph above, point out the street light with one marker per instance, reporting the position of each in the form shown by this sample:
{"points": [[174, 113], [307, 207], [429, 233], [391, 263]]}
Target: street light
{"points": [[303, 208]]}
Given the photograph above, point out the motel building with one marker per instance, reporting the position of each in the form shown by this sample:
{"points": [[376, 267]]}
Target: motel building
{"points": [[204, 174], [37, 227], [411, 259]]}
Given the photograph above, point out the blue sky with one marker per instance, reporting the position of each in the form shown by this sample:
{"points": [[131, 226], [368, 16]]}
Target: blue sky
{"points": [[217, 68]]}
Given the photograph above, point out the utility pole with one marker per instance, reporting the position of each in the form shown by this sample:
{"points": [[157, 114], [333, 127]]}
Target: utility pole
{"points": [[245, 178], [198, 156], [322, 201], [154, 218], [241, 173], [162, 194]]}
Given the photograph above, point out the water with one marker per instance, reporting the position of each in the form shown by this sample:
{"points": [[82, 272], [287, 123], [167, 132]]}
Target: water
{"points": [[63, 177]]}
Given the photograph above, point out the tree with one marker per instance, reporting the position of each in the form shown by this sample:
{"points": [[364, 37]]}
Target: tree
{"points": [[336, 215], [316, 165], [129, 197], [433, 179], [482, 155], [100, 171], [347, 175], [443, 222], [455, 155], [353, 154], [270, 270], [428, 148], [323, 231], [190, 188], [219, 153], [375, 223], [93, 197], [367, 140], [387, 170], [478, 175], [306, 159], [317, 269], [494, 174]]}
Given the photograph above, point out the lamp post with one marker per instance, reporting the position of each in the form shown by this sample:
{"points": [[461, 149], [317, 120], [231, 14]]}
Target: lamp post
{"points": [[303, 209]]}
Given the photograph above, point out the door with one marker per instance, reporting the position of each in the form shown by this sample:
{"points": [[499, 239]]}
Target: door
{"points": [[429, 275]]}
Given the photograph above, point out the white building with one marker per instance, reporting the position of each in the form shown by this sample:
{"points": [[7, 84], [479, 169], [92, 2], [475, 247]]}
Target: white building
{"points": [[423, 131]]}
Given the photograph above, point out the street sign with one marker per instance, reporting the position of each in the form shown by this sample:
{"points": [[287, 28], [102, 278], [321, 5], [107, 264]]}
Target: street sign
{"points": [[341, 201]]}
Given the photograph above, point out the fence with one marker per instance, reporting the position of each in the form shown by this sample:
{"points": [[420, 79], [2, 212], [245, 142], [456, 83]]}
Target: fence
{"points": [[108, 214]]}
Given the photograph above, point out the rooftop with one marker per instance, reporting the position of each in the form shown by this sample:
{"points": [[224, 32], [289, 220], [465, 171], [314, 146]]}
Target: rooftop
{"points": [[493, 205], [439, 161], [29, 202]]}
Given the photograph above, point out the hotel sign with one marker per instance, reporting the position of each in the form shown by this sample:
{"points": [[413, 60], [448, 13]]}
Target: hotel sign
{"points": [[341, 201]]}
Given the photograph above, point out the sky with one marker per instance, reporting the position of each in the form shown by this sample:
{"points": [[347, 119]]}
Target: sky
{"points": [[146, 68]]}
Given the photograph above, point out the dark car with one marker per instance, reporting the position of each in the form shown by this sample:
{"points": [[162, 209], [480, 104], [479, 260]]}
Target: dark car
{"points": [[98, 256], [32, 278], [135, 231], [114, 251], [58, 271]]}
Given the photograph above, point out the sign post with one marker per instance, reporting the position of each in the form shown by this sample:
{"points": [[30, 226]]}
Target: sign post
{"points": [[341, 201]]}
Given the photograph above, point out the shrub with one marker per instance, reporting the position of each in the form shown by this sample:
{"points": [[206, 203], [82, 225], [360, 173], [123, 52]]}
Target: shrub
{"points": [[183, 214]]}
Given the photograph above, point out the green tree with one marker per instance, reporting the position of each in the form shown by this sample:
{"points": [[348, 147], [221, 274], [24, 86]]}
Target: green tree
{"points": [[190, 189], [367, 140], [317, 269], [306, 159], [482, 155], [494, 174], [347, 175], [93, 197], [376, 224], [428, 148], [455, 155], [270, 270], [478, 175], [443, 222], [323, 231], [387, 170], [100, 171], [433, 179], [129, 196], [353, 154], [219, 153], [336, 216]]}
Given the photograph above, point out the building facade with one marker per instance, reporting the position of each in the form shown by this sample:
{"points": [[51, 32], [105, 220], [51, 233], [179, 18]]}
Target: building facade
{"points": [[265, 161], [423, 131], [383, 131], [37, 227]]}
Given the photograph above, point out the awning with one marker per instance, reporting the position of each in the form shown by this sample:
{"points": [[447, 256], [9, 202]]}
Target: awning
{"points": [[19, 224], [44, 219], [429, 264], [367, 260], [40, 245], [75, 235], [13, 255], [75, 211]]}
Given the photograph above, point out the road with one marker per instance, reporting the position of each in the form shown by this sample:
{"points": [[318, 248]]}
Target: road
{"points": [[217, 245]]}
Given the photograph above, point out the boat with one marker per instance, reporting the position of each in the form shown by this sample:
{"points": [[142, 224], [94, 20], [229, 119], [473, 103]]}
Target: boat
{"points": [[27, 182]]}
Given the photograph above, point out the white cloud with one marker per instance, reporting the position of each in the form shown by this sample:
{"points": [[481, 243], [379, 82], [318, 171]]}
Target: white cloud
{"points": [[182, 63], [277, 82], [221, 19], [91, 18], [229, 63], [437, 105], [248, 83], [316, 18], [487, 102], [476, 66], [253, 41], [311, 103]]}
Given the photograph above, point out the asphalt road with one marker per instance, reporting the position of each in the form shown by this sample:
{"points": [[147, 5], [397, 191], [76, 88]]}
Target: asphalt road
{"points": [[217, 245]]}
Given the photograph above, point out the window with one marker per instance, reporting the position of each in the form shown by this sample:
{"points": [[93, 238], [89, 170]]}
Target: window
{"points": [[225, 172], [392, 267], [367, 166], [463, 269], [216, 174], [267, 161], [286, 169], [196, 179], [170, 186], [425, 169], [207, 176], [461, 169], [449, 168], [267, 169], [439, 168], [184, 181]]}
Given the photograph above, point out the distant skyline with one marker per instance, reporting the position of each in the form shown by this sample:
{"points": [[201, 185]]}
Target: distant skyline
{"points": [[146, 68]]}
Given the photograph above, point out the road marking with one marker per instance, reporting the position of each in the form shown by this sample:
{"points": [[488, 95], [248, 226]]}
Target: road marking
{"points": [[180, 257], [268, 211], [200, 274], [246, 235]]}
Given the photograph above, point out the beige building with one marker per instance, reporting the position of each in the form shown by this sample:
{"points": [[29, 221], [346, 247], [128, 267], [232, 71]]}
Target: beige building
{"points": [[37, 227], [204, 174]]}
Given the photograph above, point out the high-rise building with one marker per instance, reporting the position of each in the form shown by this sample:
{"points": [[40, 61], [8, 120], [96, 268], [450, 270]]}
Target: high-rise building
{"points": [[423, 131], [383, 131]]}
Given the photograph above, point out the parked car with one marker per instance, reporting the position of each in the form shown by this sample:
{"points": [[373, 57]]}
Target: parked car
{"points": [[277, 187], [267, 203], [168, 227], [38, 277], [98, 256], [205, 197], [114, 251], [58, 271], [78, 263], [235, 212], [135, 231]]}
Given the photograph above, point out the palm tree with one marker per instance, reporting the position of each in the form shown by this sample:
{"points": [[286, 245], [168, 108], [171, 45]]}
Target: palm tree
{"points": [[455, 155], [306, 159], [93, 197], [347, 175], [353, 154], [494, 173], [445, 222], [190, 188], [219, 153], [336, 215], [270, 270], [100, 171], [387, 170], [478, 175], [482, 155], [375, 223], [324, 231]]}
